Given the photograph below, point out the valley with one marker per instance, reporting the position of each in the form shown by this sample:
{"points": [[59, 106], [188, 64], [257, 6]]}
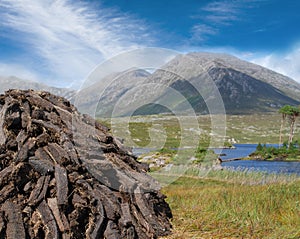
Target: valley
{"points": [[213, 203], [243, 129], [149, 119]]}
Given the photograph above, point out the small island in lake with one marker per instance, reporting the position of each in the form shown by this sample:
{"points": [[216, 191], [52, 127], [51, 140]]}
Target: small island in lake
{"points": [[285, 152], [288, 150]]}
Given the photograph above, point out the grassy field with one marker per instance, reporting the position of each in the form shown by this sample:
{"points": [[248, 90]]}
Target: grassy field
{"points": [[217, 203], [160, 131], [212, 208]]}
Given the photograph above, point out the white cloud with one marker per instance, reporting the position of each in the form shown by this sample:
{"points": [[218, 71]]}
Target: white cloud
{"points": [[201, 31], [11, 69], [222, 12], [287, 64], [71, 37], [213, 16], [221, 7], [221, 19]]}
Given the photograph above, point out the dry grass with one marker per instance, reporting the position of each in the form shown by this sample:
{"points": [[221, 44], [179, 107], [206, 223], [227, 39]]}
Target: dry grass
{"points": [[205, 208], [263, 128], [220, 204]]}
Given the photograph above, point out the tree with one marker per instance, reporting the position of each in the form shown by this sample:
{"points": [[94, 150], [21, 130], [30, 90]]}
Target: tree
{"points": [[283, 111], [259, 147], [290, 112]]}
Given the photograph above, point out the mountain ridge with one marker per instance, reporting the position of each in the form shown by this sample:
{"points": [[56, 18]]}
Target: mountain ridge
{"points": [[255, 70], [193, 78], [232, 77]]}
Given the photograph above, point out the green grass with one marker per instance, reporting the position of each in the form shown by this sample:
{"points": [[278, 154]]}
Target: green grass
{"points": [[285, 152], [165, 177], [147, 131], [217, 203], [180, 158], [211, 208], [169, 131]]}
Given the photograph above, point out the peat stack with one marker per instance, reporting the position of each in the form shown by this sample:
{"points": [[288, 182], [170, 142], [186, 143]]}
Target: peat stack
{"points": [[62, 175]]}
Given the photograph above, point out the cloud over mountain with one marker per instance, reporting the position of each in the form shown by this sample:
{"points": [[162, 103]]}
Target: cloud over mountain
{"points": [[287, 64], [70, 37]]}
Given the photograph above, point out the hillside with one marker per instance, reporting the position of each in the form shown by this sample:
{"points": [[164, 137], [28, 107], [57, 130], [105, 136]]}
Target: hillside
{"points": [[188, 82], [90, 98], [200, 82]]}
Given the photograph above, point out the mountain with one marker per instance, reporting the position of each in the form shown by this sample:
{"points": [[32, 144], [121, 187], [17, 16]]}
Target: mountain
{"points": [[101, 98], [279, 81], [12, 82], [193, 81]]}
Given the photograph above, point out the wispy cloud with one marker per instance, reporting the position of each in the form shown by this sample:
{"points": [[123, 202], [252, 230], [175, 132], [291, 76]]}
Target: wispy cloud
{"points": [[221, 7], [222, 12], [287, 64], [211, 17], [23, 73], [221, 19], [201, 31], [71, 37], [216, 15]]}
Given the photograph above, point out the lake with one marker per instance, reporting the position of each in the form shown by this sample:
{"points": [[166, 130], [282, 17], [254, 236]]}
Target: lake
{"points": [[243, 150], [265, 166], [240, 151]]}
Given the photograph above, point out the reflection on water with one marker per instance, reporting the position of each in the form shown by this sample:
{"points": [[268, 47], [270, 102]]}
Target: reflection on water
{"points": [[240, 151], [140, 151], [266, 166], [243, 150]]}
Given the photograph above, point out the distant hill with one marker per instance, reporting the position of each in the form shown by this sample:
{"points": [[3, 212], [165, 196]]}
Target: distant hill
{"points": [[181, 85], [91, 98], [244, 87], [12, 82]]}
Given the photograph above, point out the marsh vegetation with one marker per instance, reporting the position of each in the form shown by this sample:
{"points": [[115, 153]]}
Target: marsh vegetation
{"points": [[208, 203]]}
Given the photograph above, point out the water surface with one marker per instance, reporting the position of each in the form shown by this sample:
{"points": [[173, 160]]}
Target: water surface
{"points": [[243, 150]]}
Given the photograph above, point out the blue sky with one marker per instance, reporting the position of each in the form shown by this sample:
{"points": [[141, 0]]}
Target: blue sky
{"points": [[60, 41]]}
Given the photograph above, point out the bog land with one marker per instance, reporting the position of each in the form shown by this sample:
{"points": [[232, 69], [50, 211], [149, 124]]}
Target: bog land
{"points": [[215, 208], [220, 204], [254, 128]]}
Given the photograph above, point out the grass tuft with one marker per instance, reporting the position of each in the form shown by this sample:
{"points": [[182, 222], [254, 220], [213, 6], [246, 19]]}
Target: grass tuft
{"points": [[210, 208]]}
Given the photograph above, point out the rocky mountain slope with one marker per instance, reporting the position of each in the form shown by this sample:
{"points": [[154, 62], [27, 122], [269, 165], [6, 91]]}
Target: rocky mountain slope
{"points": [[201, 82], [279, 81], [188, 81], [100, 100]]}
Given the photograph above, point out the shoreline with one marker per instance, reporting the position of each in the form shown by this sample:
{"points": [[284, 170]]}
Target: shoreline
{"points": [[256, 159]]}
